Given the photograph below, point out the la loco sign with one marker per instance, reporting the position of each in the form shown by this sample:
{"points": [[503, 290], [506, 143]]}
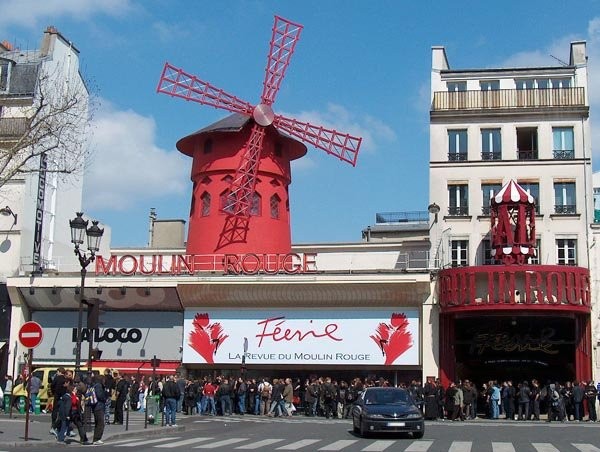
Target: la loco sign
{"points": [[363, 337]]}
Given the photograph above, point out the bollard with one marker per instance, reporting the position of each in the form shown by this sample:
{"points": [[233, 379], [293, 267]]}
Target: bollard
{"points": [[6, 403], [37, 408]]}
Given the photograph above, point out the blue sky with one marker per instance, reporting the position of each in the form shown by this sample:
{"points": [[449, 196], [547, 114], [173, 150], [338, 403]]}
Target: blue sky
{"points": [[361, 67]]}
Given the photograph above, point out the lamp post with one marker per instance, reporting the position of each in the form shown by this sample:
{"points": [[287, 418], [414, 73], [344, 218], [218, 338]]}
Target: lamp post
{"points": [[79, 229]]}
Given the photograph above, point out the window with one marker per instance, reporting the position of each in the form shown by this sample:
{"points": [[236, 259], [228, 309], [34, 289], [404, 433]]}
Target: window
{"points": [[4, 68], [208, 146], [488, 191], [533, 188], [489, 85], [566, 251], [535, 260], [564, 147], [459, 253], [564, 198], [561, 82], [205, 199], [227, 200], [522, 84], [275, 202], [255, 205], [527, 143], [457, 145], [491, 144], [457, 86], [458, 196], [486, 253]]}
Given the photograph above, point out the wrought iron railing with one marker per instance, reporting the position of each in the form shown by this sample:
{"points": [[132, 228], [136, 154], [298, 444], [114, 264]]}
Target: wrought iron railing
{"points": [[564, 155], [458, 211], [457, 156], [491, 156], [565, 209], [508, 98], [528, 155]]}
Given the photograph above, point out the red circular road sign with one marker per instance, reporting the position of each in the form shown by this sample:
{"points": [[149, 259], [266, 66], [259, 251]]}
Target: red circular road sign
{"points": [[31, 334]]}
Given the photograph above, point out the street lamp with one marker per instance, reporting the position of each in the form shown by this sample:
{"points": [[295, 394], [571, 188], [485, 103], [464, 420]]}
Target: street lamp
{"points": [[79, 229]]}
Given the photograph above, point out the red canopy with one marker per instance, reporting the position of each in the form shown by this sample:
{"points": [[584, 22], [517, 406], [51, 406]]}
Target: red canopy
{"points": [[511, 193]]}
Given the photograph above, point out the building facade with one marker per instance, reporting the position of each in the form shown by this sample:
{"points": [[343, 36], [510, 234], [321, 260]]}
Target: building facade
{"points": [[532, 318]]}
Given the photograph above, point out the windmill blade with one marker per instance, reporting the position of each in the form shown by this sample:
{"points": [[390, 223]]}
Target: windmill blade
{"points": [[177, 83], [342, 145], [283, 42], [239, 200]]}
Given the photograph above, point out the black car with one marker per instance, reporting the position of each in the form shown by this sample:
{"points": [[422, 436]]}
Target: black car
{"points": [[387, 410]]}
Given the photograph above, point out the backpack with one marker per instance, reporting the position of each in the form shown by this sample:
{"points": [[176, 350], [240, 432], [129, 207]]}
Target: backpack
{"points": [[90, 396], [266, 390]]}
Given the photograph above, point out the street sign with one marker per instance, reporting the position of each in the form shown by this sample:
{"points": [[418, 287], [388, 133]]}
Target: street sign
{"points": [[31, 334]]}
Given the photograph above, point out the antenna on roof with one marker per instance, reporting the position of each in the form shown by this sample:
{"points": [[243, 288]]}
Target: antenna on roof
{"points": [[559, 60]]}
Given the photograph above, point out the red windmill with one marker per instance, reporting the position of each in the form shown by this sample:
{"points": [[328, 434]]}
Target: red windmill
{"points": [[243, 161]]}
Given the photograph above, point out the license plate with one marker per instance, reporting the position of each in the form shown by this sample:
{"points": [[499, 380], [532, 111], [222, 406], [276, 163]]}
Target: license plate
{"points": [[395, 424]]}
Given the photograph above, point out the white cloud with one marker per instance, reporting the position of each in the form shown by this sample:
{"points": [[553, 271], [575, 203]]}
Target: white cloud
{"points": [[132, 166], [372, 130], [560, 49], [28, 13]]}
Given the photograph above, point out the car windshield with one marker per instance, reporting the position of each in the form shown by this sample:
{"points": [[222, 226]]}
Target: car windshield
{"points": [[386, 397]]}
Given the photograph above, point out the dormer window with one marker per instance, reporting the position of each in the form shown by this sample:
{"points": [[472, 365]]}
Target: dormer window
{"points": [[4, 72]]}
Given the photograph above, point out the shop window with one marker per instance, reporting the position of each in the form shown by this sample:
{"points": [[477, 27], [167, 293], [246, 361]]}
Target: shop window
{"points": [[566, 251]]}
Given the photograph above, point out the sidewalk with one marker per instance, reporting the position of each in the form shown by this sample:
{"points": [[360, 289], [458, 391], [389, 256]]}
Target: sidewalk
{"points": [[12, 430]]}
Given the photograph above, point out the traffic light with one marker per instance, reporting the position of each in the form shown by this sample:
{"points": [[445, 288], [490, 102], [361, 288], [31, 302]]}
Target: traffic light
{"points": [[96, 354], [93, 313]]}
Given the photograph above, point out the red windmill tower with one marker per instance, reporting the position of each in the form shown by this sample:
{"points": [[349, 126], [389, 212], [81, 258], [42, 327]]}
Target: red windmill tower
{"points": [[241, 165]]}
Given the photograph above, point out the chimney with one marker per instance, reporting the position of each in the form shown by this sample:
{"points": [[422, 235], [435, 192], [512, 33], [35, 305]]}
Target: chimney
{"points": [[6, 46], [48, 40]]}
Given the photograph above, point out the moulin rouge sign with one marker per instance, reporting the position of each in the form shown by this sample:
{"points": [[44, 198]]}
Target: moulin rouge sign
{"points": [[190, 264]]}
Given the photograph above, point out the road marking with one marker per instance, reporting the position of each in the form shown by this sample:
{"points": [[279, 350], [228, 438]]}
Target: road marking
{"points": [[121, 441], [225, 442], [184, 442], [147, 441], [502, 447], [299, 444], [339, 445], [419, 446], [378, 446], [460, 446], [259, 444], [585, 447], [544, 447]]}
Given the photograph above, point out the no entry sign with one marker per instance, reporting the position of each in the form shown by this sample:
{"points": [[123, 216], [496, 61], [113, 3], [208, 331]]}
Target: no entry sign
{"points": [[31, 334]]}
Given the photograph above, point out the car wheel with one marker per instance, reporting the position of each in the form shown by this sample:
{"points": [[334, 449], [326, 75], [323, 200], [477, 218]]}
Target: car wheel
{"points": [[418, 435]]}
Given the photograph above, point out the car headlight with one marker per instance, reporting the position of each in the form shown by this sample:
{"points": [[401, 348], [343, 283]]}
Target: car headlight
{"points": [[413, 416], [375, 416]]}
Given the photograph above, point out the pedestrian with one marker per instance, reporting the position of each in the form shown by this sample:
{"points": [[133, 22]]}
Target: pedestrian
{"points": [[591, 393], [524, 399], [171, 394], [58, 388], [121, 390], [34, 389], [578, 396], [97, 408]]}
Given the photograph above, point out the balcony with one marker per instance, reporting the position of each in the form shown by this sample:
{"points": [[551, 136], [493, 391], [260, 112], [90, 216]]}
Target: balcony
{"points": [[565, 209], [508, 98], [564, 155], [13, 127], [458, 211], [491, 156], [527, 155], [457, 156]]}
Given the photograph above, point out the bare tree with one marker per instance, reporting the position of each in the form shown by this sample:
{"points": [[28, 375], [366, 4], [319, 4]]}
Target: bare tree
{"points": [[56, 123]]}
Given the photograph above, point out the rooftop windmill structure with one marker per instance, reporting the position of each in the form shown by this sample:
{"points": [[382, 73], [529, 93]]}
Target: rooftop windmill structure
{"points": [[241, 164]]}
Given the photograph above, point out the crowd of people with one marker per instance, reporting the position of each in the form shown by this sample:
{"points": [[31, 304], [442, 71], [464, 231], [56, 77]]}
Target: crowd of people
{"points": [[98, 396]]}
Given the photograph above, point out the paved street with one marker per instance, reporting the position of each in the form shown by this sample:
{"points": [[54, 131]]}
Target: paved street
{"points": [[316, 434]]}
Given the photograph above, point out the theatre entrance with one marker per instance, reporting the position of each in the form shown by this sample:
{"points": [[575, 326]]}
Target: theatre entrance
{"points": [[515, 347]]}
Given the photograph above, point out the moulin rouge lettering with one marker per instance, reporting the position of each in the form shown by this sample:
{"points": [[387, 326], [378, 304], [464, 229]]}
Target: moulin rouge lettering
{"points": [[272, 328]]}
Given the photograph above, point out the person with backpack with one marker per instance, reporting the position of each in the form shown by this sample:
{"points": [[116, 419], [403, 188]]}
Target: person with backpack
{"points": [[77, 408], [97, 384], [265, 390], [554, 402]]}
